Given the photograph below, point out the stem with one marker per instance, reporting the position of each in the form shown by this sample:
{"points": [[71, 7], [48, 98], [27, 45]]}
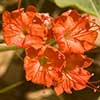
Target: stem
{"points": [[11, 87], [17, 54], [6, 48]]}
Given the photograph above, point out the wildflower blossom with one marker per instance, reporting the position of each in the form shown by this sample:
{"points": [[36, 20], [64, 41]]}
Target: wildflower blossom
{"points": [[73, 32], [25, 29], [74, 76], [54, 46], [44, 66], [76, 79]]}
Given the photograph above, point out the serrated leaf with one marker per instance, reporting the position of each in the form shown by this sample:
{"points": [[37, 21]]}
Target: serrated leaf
{"points": [[84, 5]]}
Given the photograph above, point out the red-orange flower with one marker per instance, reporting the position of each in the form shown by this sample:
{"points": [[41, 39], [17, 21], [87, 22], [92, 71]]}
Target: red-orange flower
{"points": [[74, 32], [25, 29], [74, 76], [76, 79], [43, 66]]}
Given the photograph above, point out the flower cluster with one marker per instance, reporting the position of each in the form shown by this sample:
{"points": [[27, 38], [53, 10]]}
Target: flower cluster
{"points": [[54, 47]]}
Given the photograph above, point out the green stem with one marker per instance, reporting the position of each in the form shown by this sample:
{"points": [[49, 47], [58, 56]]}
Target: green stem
{"points": [[11, 87], [6, 48]]}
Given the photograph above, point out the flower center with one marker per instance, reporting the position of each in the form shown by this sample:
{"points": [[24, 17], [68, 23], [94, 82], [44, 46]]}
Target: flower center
{"points": [[66, 35], [44, 60], [25, 32], [68, 68]]}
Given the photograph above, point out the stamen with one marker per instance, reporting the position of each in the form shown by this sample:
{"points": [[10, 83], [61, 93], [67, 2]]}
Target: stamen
{"points": [[92, 86], [95, 82], [92, 74], [88, 84]]}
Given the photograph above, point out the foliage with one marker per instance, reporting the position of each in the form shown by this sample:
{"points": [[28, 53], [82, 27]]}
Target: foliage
{"points": [[89, 6]]}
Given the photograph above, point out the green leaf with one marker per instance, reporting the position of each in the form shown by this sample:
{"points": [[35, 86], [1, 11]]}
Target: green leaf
{"points": [[89, 6], [96, 6], [11, 87]]}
